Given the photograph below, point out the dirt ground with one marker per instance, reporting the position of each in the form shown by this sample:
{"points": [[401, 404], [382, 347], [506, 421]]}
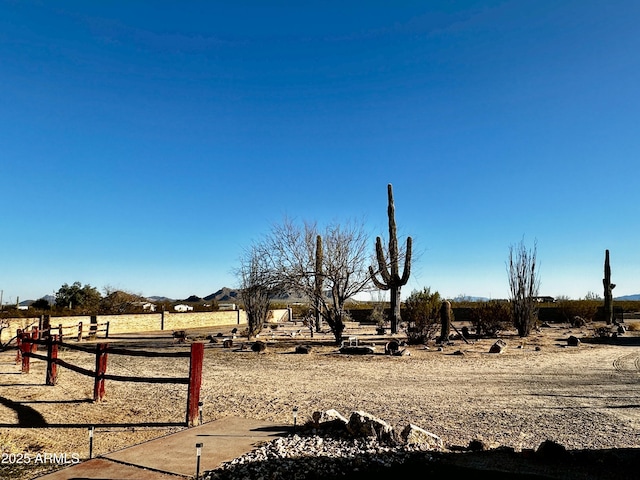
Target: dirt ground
{"points": [[539, 388]]}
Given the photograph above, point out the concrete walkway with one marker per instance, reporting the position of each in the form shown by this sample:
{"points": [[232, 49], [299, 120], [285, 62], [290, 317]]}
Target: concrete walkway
{"points": [[174, 456]]}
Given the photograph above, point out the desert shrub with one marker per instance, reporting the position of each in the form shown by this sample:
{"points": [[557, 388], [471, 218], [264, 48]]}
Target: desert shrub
{"points": [[421, 315], [377, 315], [490, 318], [570, 309]]}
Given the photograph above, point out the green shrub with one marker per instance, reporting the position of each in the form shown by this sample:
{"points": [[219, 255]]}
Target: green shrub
{"points": [[421, 315], [492, 317]]}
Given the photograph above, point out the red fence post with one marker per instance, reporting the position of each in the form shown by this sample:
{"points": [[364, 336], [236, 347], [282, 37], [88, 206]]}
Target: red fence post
{"points": [[195, 380], [52, 356], [101, 369], [25, 349], [19, 345], [34, 337]]}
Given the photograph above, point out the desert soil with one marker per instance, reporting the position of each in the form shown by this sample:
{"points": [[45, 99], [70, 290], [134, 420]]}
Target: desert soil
{"points": [[538, 389]]}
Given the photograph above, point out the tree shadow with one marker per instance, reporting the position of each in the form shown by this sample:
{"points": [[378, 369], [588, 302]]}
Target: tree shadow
{"points": [[27, 417]]}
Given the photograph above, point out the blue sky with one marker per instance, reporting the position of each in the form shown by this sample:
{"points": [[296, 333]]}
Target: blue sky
{"points": [[145, 144]]}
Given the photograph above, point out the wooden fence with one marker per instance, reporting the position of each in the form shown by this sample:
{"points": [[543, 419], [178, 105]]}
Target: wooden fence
{"points": [[76, 330], [28, 344]]}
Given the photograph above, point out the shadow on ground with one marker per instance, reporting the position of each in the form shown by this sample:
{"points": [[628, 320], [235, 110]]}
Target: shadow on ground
{"points": [[613, 464]]}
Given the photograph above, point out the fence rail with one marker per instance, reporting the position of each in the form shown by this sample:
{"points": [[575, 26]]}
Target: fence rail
{"points": [[28, 344], [76, 330]]}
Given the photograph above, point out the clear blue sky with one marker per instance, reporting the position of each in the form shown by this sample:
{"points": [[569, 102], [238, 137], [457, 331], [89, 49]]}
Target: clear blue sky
{"points": [[143, 145]]}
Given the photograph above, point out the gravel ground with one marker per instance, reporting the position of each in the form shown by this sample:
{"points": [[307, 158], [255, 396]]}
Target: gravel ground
{"points": [[584, 398]]}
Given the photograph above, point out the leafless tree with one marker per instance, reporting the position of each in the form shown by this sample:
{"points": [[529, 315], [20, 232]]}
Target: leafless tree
{"points": [[344, 260], [524, 283], [4, 324], [258, 285]]}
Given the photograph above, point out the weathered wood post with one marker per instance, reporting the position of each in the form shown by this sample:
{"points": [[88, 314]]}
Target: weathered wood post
{"points": [[34, 337], [25, 349], [19, 345], [52, 357], [60, 331], [79, 331], [101, 369], [93, 327], [106, 331], [195, 381]]}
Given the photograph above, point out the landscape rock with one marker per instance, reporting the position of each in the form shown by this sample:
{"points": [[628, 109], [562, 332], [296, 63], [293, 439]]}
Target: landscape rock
{"points": [[550, 450], [414, 435], [498, 347], [227, 343], [573, 341], [477, 445], [303, 349], [259, 347], [331, 420], [363, 424]]}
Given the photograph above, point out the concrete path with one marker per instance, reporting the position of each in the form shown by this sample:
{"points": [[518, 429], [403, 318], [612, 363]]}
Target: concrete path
{"points": [[174, 456]]}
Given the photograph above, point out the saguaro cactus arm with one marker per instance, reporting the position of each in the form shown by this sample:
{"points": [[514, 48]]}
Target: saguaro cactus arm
{"points": [[407, 263]]}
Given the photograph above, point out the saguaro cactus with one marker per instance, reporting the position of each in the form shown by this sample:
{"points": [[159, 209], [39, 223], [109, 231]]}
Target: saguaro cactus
{"points": [[608, 290], [445, 321], [388, 267]]}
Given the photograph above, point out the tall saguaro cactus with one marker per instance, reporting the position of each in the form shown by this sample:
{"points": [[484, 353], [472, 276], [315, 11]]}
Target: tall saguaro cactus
{"points": [[388, 267], [608, 290]]}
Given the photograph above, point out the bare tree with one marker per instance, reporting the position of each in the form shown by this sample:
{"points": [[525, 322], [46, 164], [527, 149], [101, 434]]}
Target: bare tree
{"points": [[257, 286], [524, 284], [326, 267], [4, 325]]}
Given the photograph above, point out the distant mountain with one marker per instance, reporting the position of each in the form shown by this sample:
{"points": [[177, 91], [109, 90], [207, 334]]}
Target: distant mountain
{"points": [[629, 297], [192, 299], [225, 294], [467, 298], [157, 299]]}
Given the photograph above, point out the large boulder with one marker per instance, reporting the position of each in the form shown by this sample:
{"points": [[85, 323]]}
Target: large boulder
{"points": [[414, 435], [329, 420], [363, 424]]}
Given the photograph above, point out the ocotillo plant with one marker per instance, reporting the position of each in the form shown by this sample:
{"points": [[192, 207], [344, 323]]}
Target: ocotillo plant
{"points": [[608, 290], [388, 268]]}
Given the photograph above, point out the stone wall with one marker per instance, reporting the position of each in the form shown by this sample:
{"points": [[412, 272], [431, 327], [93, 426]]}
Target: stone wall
{"points": [[143, 322]]}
